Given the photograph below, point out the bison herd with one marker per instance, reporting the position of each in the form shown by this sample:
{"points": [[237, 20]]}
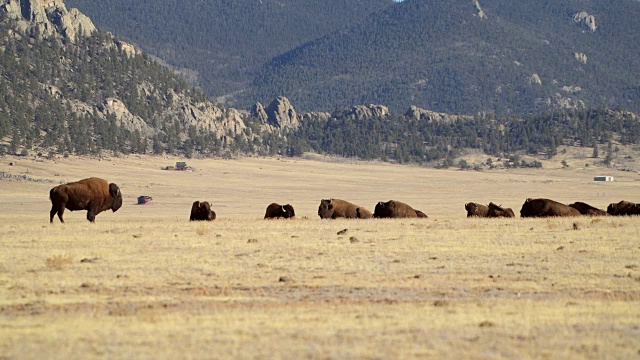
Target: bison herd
{"points": [[97, 195]]}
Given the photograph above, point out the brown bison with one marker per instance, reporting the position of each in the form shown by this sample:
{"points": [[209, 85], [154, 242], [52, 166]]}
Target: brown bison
{"points": [[586, 209], [475, 209], [336, 208], [623, 208], [495, 211], [201, 211], [93, 194], [395, 209], [546, 208], [420, 214], [277, 211]]}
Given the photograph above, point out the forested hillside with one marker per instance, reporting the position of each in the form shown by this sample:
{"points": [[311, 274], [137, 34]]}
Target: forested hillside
{"points": [[507, 56], [454, 56], [223, 41], [94, 93], [68, 90], [422, 140]]}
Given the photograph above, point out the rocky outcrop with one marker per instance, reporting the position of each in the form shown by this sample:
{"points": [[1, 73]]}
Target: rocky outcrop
{"points": [[480, 13], [127, 48], [44, 18], [581, 57], [206, 116], [115, 107], [535, 80], [558, 101], [316, 116], [586, 21], [417, 113], [280, 114], [260, 113], [361, 112]]}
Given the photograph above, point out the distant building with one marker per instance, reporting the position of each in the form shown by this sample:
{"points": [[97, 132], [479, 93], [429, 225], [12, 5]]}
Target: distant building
{"points": [[603, 178], [181, 165]]}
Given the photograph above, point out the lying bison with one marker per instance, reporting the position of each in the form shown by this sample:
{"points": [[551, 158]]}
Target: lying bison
{"points": [[623, 208], [475, 209], [201, 211], [586, 209], [395, 209], [495, 211], [336, 208], [93, 194], [277, 211], [546, 208]]}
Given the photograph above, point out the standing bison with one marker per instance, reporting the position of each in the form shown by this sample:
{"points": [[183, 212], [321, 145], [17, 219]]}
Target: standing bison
{"points": [[336, 208], [395, 209], [586, 209], [93, 194], [277, 211], [623, 208], [201, 211], [475, 209], [546, 208], [495, 211]]}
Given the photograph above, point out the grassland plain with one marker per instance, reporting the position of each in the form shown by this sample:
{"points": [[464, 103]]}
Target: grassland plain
{"points": [[146, 283]]}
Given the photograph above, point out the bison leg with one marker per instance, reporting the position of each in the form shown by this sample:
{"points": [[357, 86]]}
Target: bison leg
{"points": [[92, 212], [59, 210]]}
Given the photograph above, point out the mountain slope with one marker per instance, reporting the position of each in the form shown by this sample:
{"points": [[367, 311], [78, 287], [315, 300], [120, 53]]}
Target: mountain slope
{"points": [[92, 92], [222, 42], [455, 56]]}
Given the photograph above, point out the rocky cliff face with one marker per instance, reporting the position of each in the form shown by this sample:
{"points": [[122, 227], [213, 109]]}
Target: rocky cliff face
{"points": [[361, 112], [586, 21], [43, 18], [415, 112], [279, 115]]}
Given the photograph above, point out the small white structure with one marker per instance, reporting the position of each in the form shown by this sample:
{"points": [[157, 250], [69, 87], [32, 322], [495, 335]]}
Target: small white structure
{"points": [[603, 178]]}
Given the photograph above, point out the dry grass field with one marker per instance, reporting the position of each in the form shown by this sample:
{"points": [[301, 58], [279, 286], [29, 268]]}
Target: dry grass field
{"points": [[144, 282]]}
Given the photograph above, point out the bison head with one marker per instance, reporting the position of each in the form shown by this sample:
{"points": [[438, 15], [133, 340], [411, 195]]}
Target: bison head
{"points": [[287, 211], [526, 209], [325, 210], [116, 197], [383, 209], [471, 208]]}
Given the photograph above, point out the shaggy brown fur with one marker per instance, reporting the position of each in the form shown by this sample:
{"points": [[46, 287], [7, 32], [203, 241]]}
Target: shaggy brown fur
{"points": [[336, 208], [586, 209], [201, 211], [93, 194], [277, 211], [497, 211], [420, 214], [623, 208], [546, 208], [475, 209], [395, 209]]}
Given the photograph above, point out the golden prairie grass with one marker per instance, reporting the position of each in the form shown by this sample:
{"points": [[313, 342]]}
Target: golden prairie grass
{"points": [[145, 282], [59, 261]]}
